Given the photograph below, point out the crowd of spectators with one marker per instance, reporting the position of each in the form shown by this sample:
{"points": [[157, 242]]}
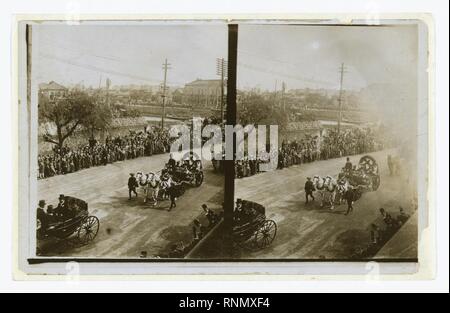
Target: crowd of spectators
{"points": [[95, 153], [312, 148], [381, 232]]}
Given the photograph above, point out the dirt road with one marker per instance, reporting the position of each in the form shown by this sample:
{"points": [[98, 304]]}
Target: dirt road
{"points": [[129, 227], [307, 231]]}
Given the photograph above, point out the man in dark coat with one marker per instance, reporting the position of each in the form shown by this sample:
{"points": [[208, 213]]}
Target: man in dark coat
{"points": [[174, 192], [171, 165], [42, 215], [63, 211], [348, 165], [309, 188], [132, 184], [349, 197]]}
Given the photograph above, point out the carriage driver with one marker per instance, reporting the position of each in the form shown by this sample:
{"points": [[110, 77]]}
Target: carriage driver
{"points": [[348, 165], [239, 210], [172, 164]]}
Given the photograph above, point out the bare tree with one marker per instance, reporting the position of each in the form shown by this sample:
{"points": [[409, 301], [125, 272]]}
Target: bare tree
{"points": [[67, 114]]}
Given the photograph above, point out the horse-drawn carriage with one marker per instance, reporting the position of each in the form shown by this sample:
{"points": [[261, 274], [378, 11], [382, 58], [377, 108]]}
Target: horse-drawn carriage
{"points": [[365, 177], [173, 179], [192, 177], [252, 230], [362, 178], [76, 225]]}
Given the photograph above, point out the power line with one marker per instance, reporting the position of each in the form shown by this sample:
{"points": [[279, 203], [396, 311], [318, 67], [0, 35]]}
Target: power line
{"points": [[260, 69], [105, 71], [278, 60]]}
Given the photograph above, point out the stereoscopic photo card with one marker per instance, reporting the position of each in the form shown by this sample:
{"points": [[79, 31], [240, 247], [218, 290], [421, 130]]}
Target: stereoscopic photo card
{"points": [[222, 146]]}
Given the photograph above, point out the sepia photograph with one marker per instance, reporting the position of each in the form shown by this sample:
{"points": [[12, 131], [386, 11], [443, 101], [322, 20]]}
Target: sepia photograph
{"points": [[108, 98], [345, 103], [208, 141], [345, 99], [201, 150]]}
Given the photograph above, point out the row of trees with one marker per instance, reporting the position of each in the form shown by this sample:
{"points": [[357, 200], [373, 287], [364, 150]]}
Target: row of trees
{"points": [[259, 110], [68, 114]]}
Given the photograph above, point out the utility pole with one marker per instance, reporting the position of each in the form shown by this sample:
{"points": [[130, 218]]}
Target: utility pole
{"points": [[341, 91], [275, 92], [108, 85], [221, 70], [231, 120], [283, 90], [164, 89]]}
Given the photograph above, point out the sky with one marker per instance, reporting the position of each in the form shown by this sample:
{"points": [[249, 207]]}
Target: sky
{"points": [[127, 54], [301, 56], [310, 56], [384, 58]]}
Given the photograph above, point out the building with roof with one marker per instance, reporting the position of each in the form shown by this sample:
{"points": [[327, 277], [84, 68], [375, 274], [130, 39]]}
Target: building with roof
{"points": [[52, 90], [204, 93]]}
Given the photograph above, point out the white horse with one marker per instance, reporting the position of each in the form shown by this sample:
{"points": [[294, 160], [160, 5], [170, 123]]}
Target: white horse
{"points": [[319, 185], [142, 180], [153, 186], [327, 188], [331, 191], [150, 184]]}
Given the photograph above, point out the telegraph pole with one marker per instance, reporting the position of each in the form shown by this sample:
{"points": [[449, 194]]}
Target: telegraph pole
{"points": [[221, 68], [165, 68], [283, 90], [341, 91]]}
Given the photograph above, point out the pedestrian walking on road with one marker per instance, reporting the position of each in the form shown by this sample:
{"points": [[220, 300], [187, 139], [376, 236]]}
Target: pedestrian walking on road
{"points": [[349, 196], [309, 189], [174, 192], [390, 165], [132, 184]]}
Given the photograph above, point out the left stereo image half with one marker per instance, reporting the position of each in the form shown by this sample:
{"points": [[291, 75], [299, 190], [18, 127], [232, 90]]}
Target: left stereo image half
{"points": [[123, 157]]}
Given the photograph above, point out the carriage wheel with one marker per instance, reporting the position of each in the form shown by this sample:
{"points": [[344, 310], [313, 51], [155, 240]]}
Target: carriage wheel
{"points": [[370, 162], [88, 230], [266, 234], [199, 177]]}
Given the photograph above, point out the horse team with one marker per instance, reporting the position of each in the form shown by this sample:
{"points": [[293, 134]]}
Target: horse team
{"points": [[153, 186], [330, 190]]}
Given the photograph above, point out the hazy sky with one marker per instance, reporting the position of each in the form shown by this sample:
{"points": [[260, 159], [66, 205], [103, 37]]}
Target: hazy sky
{"points": [[301, 56], [127, 54], [310, 56]]}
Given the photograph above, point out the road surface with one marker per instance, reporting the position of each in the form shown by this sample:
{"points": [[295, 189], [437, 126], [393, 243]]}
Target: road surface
{"points": [[311, 232], [129, 227]]}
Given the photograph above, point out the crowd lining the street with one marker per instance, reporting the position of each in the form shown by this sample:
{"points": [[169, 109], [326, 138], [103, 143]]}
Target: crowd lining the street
{"points": [[312, 148], [96, 153]]}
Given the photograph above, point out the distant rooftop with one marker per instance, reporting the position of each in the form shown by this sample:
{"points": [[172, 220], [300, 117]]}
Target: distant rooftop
{"points": [[205, 82], [51, 86]]}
